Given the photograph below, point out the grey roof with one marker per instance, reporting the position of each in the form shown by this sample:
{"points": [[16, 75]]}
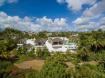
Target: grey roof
{"points": [[40, 42]]}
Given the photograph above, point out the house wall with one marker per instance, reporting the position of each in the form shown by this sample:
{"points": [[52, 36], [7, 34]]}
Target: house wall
{"points": [[51, 49]]}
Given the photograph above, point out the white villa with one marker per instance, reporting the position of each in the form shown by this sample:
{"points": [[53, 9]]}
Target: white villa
{"points": [[53, 44], [60, 44]]}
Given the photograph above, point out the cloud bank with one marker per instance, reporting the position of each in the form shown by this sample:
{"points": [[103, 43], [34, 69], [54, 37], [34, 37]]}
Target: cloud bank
{"points": [[92, 18], [76, 5], [32, 24]]}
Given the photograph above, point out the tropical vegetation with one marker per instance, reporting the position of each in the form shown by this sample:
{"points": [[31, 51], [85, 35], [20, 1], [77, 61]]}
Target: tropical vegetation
{"points": [[87, 62]]}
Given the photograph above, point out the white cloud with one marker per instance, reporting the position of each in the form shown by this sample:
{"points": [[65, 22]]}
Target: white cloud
{"points": [[96, 9], [30, 24], [2, 2], [76, 5], [81, 20], [2, 14], [102, 23], [91, 24], [50, 22], [92, 18]]}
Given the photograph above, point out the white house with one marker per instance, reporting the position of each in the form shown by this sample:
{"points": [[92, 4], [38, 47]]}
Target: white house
{"points": [[60, 44], [53, 44]]}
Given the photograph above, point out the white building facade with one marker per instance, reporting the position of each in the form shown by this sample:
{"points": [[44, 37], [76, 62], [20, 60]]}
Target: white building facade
{"points": [[60, 44], [53, 44]]}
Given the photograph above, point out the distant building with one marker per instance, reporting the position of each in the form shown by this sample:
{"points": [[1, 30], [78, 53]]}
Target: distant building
{"points": [[53, 44]]}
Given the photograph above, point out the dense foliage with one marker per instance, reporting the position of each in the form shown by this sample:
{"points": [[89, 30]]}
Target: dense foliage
{"points": [[88, 62]]}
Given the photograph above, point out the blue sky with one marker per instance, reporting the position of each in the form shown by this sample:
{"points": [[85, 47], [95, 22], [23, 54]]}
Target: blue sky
{"points": [[38, 8], [52, 15]]}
